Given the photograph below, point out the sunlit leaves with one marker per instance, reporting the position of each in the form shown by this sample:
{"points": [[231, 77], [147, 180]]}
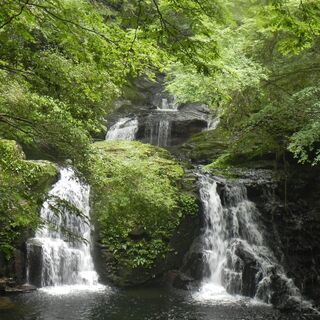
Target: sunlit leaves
{"points": [[296, 22], [136, 187]]}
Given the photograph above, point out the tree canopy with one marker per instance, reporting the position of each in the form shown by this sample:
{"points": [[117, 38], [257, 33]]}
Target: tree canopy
{"points": [[62, 62], [266, 87]]}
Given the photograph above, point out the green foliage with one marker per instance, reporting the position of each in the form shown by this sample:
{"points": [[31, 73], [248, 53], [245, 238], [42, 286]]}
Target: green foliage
{"points": [[234, 72], [265, 89], [297, 24], [23, 186], [136, 187], [304, 143], [64, 61]]}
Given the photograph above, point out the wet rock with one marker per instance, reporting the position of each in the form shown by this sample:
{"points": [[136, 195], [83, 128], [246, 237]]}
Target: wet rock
{"points": [[35, 262], [182, 281], [193, 265], [25, 288], [110, 271], [14, 268], [4, 283], [9, 285]]}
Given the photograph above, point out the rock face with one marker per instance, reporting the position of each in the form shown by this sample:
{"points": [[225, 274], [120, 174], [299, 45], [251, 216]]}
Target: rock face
{"points": [[291, 213], [162, 270], [35, 262], [289, 204], [290, 216], [13, 270]]}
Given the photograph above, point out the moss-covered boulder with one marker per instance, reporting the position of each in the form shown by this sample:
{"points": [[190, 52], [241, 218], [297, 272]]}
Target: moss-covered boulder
{"points": [[224, 155], [204, 147], [139, 204], [23, 185]]}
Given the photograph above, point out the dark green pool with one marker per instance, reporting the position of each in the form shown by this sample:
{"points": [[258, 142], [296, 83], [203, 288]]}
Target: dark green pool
{"points": [[142, 304]]}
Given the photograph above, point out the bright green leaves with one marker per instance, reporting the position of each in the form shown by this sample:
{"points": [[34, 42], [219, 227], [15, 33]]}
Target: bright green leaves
{"points": [[296, 22], [78, 55], [41, 120], [265, 79], [304, 143], [61, 70], [62, 64], [182, 30], [22, 187], [232, 71], [189, 31], [136, 192]]}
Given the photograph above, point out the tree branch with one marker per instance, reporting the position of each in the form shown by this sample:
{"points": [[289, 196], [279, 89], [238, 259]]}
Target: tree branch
{"points": [[15, 15], [66, 21]]}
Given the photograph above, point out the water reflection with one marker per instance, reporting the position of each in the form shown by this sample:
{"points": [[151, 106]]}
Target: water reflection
{"points": [[112, 304]]}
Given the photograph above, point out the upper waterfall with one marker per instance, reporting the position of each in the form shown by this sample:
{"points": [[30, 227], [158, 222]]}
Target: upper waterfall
{"points": [[167, 104], [55, 258]]}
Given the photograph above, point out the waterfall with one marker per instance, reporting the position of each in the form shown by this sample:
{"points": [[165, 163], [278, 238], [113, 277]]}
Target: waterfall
{"points": [[157, 129], [124, 129], [55, 259], [166, 105], [158, 132], [158, 126], [236, 258]]}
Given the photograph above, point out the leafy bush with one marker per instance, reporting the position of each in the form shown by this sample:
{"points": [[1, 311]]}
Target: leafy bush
{"points": [[22, 187], [137, 200]]}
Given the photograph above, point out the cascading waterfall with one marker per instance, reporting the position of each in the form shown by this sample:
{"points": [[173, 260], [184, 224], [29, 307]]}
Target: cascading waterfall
{"points": [[158, 125], [55, 259], [158, 132], [166, 105], [237, 260], [215, 242], [124, 129]]}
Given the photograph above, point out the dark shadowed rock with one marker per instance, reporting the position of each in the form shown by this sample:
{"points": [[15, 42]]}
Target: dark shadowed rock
{"points": [[182, 281], [137, 233], [35, 265]]}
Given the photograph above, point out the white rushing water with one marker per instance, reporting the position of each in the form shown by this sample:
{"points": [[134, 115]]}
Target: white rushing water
{"points": [[166, 105], [215, 243], [158, 132], [123, 129], [232, 240], [64, 261]]}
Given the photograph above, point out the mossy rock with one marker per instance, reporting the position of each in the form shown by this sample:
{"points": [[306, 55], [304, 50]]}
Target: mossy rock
{"points": [[137, 187], [220, 148], [23, 187], [204, 147]]}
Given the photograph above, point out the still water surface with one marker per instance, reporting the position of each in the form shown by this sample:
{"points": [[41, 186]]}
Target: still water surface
{"points": [[106, 303]]}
